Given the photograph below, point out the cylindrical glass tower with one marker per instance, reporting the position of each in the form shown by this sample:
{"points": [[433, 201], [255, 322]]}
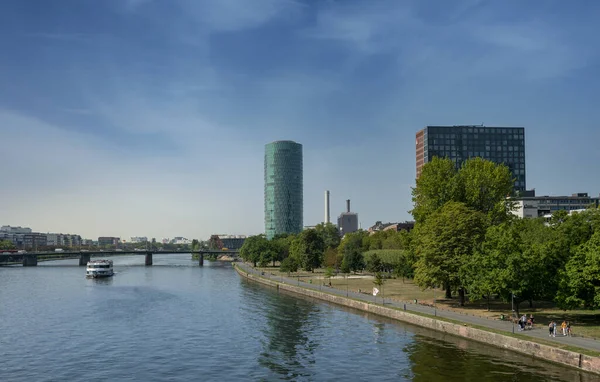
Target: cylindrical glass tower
{"points": [[283, 188]]}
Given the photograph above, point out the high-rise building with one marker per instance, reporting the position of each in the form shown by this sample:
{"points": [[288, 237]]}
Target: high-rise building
{"points": [[498, 144], [283, 188]]}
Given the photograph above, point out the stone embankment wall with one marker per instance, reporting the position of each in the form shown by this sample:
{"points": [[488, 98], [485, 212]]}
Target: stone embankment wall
{"points": [[548, 353]]}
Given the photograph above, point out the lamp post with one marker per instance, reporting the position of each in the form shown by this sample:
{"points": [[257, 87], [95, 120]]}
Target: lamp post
{"points": [[512, 308], [346, 277], [434, 306]]}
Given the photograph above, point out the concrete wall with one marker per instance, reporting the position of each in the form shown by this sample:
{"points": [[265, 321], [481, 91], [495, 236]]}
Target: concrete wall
{"points": [[545, 352]]}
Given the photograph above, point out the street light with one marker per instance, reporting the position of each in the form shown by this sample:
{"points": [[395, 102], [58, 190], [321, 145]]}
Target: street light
{"points": [[434, 306], [512, 308]]}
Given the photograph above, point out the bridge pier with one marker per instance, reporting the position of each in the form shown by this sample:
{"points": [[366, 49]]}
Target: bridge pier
{"points": [[201, 261], [148, 259], [84, 258], [29, 260]]}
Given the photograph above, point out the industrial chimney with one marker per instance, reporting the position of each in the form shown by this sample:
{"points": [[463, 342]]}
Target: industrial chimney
{"points": [[348, 205], [327, 215]]}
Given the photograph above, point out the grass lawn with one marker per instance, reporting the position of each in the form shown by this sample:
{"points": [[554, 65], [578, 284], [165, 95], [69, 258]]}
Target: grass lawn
{"points": [[583, 322]]}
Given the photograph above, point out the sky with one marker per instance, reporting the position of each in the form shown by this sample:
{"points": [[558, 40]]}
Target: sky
{"points": [[149, 117]]}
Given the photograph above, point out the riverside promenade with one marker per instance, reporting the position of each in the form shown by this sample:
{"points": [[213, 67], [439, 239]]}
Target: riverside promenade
{"points": [[539, 332]]}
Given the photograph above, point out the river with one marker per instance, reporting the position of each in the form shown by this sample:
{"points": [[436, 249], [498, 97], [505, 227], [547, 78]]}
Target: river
{"points": [[175, 321]]}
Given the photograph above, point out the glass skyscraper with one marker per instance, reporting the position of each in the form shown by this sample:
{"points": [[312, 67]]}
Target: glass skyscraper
{"points": [[498, 144], [283, 188]]}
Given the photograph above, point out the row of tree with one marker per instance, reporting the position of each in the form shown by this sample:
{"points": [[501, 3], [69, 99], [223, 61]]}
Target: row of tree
{"points": [[466, 240]]}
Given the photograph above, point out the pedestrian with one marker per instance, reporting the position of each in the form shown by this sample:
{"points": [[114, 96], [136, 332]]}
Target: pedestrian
{"points": [[550, 329], [553, 328], [569, 329], [564, 328], [531, 319]]}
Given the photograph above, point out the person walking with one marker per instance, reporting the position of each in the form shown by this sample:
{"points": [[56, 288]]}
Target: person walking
{"points": [[553, 328], [550, 329], [564, 328], [531, 319], [569, 330]]}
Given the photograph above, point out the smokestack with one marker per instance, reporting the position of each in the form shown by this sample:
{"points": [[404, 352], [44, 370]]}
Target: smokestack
{"points": [[327, 216], [348, 205]]}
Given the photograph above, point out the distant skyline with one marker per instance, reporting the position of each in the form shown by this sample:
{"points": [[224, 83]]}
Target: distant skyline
{"points": [[149, 117]]}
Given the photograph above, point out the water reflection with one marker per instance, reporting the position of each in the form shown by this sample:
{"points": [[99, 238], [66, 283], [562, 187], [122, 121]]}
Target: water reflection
{"points": [[289, 348]]}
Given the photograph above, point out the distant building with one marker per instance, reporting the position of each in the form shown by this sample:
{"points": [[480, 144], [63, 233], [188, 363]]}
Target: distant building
{"points": [[180, 240], [15, 230], [532, 206], [498, 144], [108, 240], [347, 221], [34, 241], [379, 226], [139, 239], [232, 242], [283, 188], [63, 240]]}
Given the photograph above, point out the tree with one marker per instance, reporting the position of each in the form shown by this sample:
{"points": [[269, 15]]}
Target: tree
{"points": [[307, 248], [445, 242], [7, 244], [329, 233], [281, 244], [480, 184], [256, 248], [484, 186], [351, 249], [436, 186], [289, 264], [580, 281], [329, 272], [378, 281], [330, 258], [518, 257], [374, 264]]}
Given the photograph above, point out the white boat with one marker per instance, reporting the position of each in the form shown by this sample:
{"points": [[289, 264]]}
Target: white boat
{"points": [[99, 268]]}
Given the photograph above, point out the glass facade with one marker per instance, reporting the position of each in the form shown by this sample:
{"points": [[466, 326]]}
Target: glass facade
{"points": [[283, 188], [499, 144]]}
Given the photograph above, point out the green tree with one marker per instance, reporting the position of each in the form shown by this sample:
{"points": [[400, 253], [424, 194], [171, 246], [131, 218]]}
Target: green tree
{"points": [[374, 263], [351, 248], [254, 247], [480, 184], [330, 258], [580, 281], [7, 244], [289, 264], [329, 233], [307, 248], [378, 281], [436, 186], [281, 245], [518, 257], [329, 272], [445, 242], [484, 186]]}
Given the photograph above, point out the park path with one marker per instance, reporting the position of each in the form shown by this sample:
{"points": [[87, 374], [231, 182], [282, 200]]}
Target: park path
{"points": [[541, 330]]}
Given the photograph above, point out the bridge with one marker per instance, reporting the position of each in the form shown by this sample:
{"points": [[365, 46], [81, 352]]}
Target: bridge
{"points": [[30, 259]]}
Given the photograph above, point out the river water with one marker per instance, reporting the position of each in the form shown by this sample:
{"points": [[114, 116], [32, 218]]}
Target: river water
{"points": [[175, 321]]}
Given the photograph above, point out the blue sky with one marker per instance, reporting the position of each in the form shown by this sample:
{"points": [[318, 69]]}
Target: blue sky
{"points": [[149, 117]]}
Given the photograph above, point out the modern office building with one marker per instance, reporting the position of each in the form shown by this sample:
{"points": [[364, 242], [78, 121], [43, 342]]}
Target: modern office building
{"points": [[108, 240], [283, 188], [347, 221], [531, 206], [459, 143]]}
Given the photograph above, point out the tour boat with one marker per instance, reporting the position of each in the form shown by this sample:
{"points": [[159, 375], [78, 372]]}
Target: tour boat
{"points": [[99, 268]]}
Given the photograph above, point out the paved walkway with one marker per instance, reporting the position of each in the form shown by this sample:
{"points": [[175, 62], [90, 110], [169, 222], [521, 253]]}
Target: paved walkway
{"points": [[541, 330]]}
